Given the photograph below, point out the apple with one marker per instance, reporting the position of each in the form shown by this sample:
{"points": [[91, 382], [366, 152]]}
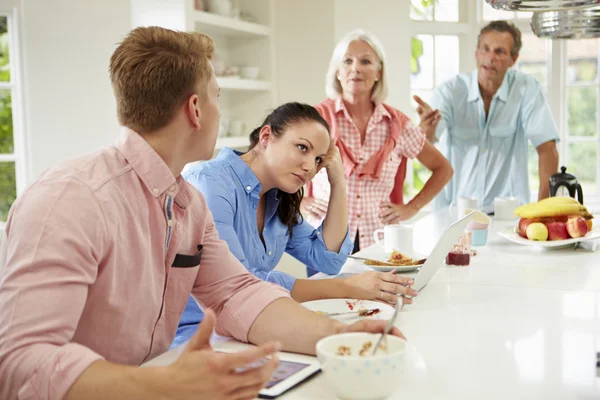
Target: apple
{"points": [[577, 227], [537, 231], [589, 224], [523, 224], [557, 231]]}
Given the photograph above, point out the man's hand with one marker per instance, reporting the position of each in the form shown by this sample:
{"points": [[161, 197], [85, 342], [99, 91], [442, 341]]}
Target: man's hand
{"points": [[429, 117], [370, 326], [202, 373]]}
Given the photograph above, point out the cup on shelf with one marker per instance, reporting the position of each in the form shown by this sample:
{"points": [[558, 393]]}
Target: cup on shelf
{"points": [[220, 7], [236, 128], [250, 72]]}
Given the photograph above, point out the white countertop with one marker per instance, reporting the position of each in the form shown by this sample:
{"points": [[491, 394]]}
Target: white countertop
{"points": [[519, 322]]}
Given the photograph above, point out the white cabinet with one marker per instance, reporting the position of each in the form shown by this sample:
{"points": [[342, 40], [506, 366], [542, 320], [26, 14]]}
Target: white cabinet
{"points": [[238, 44]]}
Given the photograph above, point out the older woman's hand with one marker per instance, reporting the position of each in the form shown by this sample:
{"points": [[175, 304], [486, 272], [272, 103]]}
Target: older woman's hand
{"points": [[390, 213], [382, 286], [316, 208]]}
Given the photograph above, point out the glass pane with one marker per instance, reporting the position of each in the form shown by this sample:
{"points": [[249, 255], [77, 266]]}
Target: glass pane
{"points": [[421, 63], [8, 188], [4, 60], [6, 123], [420, 176], [583, 60], [533, 58], [582, 164], [491, 14], [533, 170], [446, 10], [582, 110], [421, 10], [445, 67]]}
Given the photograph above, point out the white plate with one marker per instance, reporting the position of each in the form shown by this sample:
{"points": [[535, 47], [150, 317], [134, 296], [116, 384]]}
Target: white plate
{"points": [[341, 305], [399, 268], [511, 234]]}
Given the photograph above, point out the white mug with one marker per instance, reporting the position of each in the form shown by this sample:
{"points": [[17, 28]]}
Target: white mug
{"points": [[398, 237], [463, 203], [504, 208]]}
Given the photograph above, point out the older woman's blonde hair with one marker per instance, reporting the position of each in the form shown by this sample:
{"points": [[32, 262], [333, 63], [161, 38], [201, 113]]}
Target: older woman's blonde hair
{"points": [[333, 88]]}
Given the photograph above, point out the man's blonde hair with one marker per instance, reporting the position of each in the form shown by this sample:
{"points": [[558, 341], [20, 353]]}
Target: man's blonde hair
{"points": [[154, 70]]}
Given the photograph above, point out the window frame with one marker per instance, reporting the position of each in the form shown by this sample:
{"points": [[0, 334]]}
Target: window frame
{"points": [[19, 155]]}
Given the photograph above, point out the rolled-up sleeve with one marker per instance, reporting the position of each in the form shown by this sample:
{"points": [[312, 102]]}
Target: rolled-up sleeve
{"points": [[55, 237], [224, 285], [308, 247]]}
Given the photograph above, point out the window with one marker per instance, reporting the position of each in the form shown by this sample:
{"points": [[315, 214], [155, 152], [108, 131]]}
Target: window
{"points": [[430, 67], [583, 101], [10, 162]]}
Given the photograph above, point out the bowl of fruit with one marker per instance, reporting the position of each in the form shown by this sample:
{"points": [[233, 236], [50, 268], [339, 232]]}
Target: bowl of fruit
{"points": [[553, 222]]}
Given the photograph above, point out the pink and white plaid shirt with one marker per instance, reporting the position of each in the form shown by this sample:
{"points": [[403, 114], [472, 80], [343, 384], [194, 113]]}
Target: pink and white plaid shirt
{"points": [[365, 194]]}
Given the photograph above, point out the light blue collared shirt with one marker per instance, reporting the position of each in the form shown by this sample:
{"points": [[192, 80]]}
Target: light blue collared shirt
{"points": [[490, 157], [231, 191]]}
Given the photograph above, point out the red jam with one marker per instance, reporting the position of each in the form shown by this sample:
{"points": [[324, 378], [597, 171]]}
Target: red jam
{"points": [[458, 259]]}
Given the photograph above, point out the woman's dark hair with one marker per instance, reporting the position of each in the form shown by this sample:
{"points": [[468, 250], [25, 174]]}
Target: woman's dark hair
{"points": [[279, 120]]}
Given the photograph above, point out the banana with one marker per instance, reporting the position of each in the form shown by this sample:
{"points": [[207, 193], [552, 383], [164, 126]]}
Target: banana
{"points": [[558, 200], [537, 210]]}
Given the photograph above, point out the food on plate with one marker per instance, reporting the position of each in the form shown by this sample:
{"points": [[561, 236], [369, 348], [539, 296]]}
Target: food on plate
{"points": [[555, 213], [553, 207], [367, 313], [557, 231], [537, 231], [396, 259], [577, 227]]}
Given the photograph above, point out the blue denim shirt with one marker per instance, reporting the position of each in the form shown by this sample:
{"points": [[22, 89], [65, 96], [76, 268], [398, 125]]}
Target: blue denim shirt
{"points": [[489, 156], [231, 190]]}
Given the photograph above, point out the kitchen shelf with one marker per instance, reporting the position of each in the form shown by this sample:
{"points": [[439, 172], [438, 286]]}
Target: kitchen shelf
{"points": [[210, 23], [243, 84]]}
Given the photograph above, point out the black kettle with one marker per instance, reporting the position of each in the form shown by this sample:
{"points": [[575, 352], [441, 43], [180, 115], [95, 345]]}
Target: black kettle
{"points": [[563, 184]]}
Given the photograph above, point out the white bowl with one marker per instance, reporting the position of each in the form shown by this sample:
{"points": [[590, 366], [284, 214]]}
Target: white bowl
{"points": [[249, 72], [355, 377]]}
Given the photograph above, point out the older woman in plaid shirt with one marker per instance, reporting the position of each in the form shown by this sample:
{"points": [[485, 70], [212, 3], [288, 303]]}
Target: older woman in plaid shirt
{"points": [[375, 140]]}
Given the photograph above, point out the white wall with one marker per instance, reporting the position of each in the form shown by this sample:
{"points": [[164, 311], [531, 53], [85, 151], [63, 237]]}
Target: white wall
{"points": [[69, 105]]}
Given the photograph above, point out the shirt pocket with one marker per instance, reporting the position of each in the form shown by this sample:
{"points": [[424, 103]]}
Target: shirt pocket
{"points": [[502, 132], [179, 287], [465, 134]]}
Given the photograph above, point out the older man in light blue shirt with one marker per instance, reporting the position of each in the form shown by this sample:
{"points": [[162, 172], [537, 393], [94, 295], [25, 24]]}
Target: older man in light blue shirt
{"points": [[486, 119]]}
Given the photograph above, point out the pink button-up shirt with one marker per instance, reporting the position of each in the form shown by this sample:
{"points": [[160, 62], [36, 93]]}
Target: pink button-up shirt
{"points": [[86, 269]]}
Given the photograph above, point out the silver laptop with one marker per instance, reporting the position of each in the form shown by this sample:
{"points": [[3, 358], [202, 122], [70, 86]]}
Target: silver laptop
{"points": [[440, 251]]}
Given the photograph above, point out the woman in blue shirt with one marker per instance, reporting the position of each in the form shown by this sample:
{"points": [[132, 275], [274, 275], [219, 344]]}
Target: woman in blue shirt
{"points": [[255, 201]]}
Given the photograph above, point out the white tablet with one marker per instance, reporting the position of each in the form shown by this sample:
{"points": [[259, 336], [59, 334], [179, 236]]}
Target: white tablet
{"points": [[441, 250], [292, 371]]}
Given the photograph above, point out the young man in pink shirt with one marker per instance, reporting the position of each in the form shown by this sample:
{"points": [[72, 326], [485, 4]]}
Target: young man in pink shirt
{"points": [[102, 252]]}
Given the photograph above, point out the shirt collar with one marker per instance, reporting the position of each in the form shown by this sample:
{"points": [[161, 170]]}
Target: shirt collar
{"points": [[151, 168], [243, 172], [475, 93], [378, 113]]}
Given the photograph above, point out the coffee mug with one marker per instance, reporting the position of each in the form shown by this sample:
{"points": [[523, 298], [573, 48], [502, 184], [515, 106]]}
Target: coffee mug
{"points": [[463, 203], [398, 237], [504, 208]]}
